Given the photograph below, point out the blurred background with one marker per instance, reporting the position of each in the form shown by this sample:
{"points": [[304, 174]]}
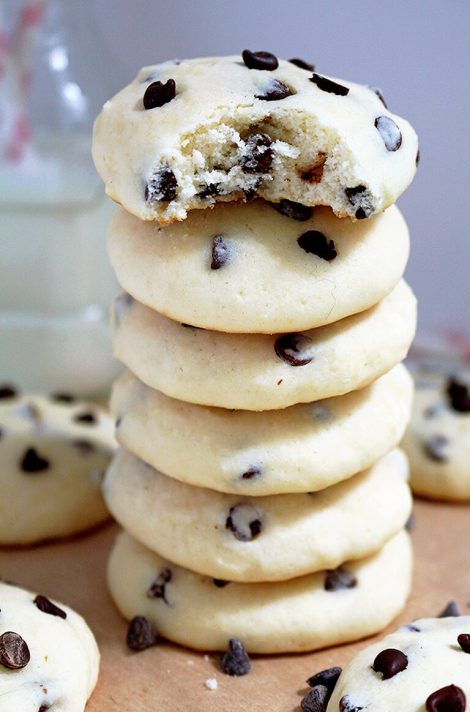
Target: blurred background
{"points": [[417, 52]]}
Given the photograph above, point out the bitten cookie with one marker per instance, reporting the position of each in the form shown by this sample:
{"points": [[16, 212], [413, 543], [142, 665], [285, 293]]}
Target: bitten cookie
{"points": [[49, 659], [260, 371], [250, 539], [423, 666], [251, 269], [307, 613], [184, 135], [53, 454]]}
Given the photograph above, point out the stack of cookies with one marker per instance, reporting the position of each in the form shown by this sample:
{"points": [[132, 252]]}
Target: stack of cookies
{"points": [[263, 322]]}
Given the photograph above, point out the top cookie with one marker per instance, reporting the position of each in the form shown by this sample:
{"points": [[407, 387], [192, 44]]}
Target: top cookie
{"points": [[184, 135]]}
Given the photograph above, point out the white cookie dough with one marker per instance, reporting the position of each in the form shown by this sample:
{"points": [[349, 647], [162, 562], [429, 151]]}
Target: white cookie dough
{"points": [[63, 659], [254, 371], [219, 139], [264, 538], [53, 455], [245, 271], [433, 658], [288, 616]]}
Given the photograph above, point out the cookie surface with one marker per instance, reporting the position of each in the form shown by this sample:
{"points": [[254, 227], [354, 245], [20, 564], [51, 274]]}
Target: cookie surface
{"points": [[433, 658], [288, 616], [250, 539], [259, 371], [298, 449], [48, 656], [53, 454], [223, 131], [249, 269]]}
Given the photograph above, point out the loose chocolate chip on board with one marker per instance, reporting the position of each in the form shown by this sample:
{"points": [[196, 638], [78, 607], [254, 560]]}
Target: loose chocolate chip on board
{"points": [[244, 521], [235, 660], [220, 252], [328, 678], [33, 462], [260, 60], [450, 611], [316, 243], [447, 699], [315, 700], [14, 652], [161, 187], [140, 634], [294, 348], [46, 606], [295, 211], [7, 391], [220, 583], [437, 448], [378, 93], [63, 397], [389, 131], [390, 662], [337, 579], [157, 589], [464, 642], [251, 473], [329, 86], [259, 154], [359, 198], [157, 94], [275, 91], [302, 64], [458, 395], [346, 705]]}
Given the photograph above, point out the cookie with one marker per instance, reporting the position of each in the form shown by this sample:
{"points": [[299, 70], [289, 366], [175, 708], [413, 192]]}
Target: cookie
{"points": [[53, 454], [438, 438], [423, 666], [306, 613], [49, 659], [250, 269], [259, 371], [185, 135], [250, 539], [303, 448]]}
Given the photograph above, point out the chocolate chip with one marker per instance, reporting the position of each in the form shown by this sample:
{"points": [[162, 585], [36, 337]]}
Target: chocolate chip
{"points": [[244, 521], [44, 708], [316, 243], [63, 397], [295, 211], [275, 91], [33, 462], [294, 348], [46, 606], [220, 252], [458, 395], [316, 700], [447, 699], [437, 448], [162, 186], [140, 634], [378, 93], [157, 589], [251, 473], [389, 131], [260, 60], [328, 678], [157, 94], [209, 190], [235, 660], [220, 583], [85, 418], [390, 662], [302, 64], [259, 154], [360, 199], [450, 611], [464, 642], [328, 85], [7, 391], [14, 653], [85, 446], [337, 579], [345, 705]]}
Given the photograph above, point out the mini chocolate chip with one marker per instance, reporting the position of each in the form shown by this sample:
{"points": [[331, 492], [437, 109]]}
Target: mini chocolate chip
{"points": [[251, 473], [140, 634], [220, 583], [33, 462], [389, 131], [410, 523], [464, 642], [302, 64], [450, 611], [359, 198], [7, 391], [345, 705], [316, 699], [337, 579], [275, 91], [316, 243], [447, 699], [85, 446], [162, 186], [378, 93], [85, 418], [295, 349], [437, 448], [390, 662], [259, 154], [157, 94], [328, 678], [63, 397], [46, 606], [235, 660], [157, 589], [295, 211], [244, 522], [260, 60], [220, 252], [459, 395], [209, 190], [14, 653], [328, 85]]}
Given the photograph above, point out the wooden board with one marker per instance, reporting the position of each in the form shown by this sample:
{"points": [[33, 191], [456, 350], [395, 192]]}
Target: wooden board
{"points": [[171, 679]]}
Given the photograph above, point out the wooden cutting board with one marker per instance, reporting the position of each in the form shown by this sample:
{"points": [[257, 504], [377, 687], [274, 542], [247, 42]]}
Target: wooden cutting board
{"points": [[168, 678]]}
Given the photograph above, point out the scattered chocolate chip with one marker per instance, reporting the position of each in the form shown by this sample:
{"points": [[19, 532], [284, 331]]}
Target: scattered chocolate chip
{"points": [[235, 660], [437, 448], [418, 157], [464, 642], [302, 64], [359, 198], [316, 243], [7, 391], [345, 705], [244, 521], [140, 634], [450, 611], [210, 190], [389, 131], [447, 699], [85, 446], [162, 186], [316, 700], [46, 606], [14, 653], [390, 662], [410, 523], [251, 473], [337, 579], [295, 211], [157, 94], [275, 91], [220, 583], [328, 678], [259, 154], [314, 174], [260, 60], [33, 462], [328, 85], [63, 397], [378, 93], [85, 418], [157, 589], [295, 349], [220, 252], [458, 395]]}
